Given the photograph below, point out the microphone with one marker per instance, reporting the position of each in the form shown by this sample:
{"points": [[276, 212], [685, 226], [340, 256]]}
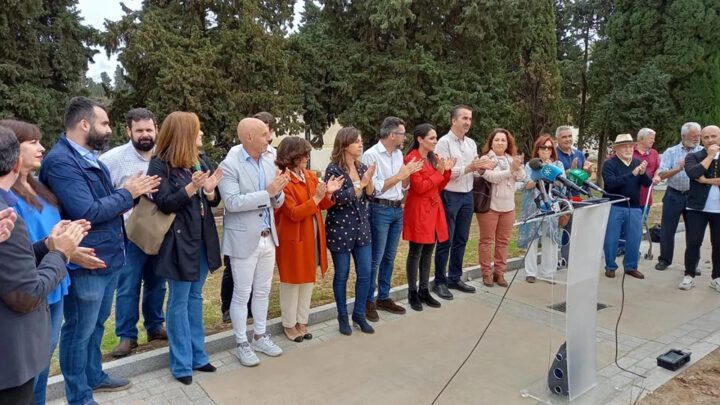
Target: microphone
{"points": [[581, 178], [553, 173], [547, 205]]}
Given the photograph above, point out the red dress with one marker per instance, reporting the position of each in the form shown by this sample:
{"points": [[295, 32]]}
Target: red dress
{"points": [[424, 214]]}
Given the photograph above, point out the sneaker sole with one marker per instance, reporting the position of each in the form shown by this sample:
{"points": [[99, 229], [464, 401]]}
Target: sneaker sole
{"points": [[686, 288], [266, 353], [247, 364], [114, 389]]}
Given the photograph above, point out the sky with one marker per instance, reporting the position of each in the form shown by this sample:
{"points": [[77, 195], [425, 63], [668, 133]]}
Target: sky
{"points": [[95, 13]]}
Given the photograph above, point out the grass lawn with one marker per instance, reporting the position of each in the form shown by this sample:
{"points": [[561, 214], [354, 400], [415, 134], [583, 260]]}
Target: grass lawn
{"points": [[322, 294]]}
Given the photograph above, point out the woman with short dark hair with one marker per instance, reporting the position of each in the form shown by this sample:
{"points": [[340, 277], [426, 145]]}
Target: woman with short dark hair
{"points": [[301, 232]]}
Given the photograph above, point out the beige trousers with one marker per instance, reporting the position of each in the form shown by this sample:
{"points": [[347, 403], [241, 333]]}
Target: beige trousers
{"points": [[295, 303]]}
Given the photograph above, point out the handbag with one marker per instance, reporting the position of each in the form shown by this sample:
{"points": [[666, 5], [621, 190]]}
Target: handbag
{"points": [[147, 226], [481, 195]]}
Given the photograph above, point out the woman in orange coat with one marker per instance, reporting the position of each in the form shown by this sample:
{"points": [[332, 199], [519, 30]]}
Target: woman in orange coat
{"points": [[424, 220], [301, 232]]}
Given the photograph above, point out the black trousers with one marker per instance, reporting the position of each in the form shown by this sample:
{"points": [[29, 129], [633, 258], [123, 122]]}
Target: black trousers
{"points": [[419, 258], [21, 395], [226, 288], [695, 226]]}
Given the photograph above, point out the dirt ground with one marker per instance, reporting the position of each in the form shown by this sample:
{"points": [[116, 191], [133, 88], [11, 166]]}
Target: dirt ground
{"points": [[698, 385]]}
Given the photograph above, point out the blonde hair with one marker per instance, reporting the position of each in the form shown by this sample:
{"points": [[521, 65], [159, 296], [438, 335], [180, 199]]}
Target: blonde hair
{"points": [[176, 141]]}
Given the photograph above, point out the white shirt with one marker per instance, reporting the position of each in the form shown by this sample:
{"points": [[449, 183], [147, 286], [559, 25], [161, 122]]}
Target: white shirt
{"points": [[387, 165], [124, 162], [465, 150]]}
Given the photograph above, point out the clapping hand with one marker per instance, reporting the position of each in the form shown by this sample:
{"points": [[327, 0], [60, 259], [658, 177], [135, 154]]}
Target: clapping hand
{"points": [[517, 162], [85, 258], [141, 184], [334, 184], [212, 181], [446, 164], [199, 178], [66, 236], [368, 175], [7, 223], [413, 166], [278, 184], [486, 163], [640, 169], [320, 191]]}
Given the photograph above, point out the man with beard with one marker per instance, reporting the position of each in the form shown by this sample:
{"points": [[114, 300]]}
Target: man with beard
{"points": [[624, 175], [84, 189], [124, 162]]}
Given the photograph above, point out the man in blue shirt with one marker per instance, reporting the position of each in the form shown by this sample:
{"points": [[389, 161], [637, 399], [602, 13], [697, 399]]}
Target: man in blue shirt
{"points": [[84, 189], [571, 158]]}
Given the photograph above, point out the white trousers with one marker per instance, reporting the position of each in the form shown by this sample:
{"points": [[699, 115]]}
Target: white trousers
{"points": [[548, 262], [295, 303], [253, 273]]}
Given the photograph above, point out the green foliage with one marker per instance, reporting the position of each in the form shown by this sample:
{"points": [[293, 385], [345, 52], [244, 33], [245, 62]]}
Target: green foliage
{"points": [[222, 60], [43, 58]]}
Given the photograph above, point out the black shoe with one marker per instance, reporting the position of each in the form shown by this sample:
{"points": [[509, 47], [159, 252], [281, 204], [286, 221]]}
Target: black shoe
{"points": [[414, 301], [362, 323], [226, 316], [442, 291], [461, 286], [185, 380], [428, 299], [345, 328], [208, 368], [661, 266]]}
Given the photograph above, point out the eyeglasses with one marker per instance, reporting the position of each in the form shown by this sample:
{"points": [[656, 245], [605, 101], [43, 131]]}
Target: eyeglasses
{"points": [[545, 147]]}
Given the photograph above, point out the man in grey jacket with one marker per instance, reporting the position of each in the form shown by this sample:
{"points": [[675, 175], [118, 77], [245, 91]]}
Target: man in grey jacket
{"points": [[28, 274], [251, 189]]}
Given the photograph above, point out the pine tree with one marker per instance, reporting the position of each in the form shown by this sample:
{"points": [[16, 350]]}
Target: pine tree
{"points": [[44, 51]]}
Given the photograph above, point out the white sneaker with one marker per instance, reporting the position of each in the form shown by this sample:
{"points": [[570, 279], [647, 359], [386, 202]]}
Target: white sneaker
{"points": [[266, 345], [687, 283], [246, 355], [715, 284]]}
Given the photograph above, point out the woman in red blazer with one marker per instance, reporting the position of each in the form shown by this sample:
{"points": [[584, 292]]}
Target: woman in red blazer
{"points": [[424, 220]]}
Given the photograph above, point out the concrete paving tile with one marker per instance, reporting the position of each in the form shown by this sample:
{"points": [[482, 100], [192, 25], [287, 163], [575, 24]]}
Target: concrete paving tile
{"points": [[194, 392]]}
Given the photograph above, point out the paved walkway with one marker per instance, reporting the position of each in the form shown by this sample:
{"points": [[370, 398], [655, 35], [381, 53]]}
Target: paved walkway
{"points": [[410, 357]]}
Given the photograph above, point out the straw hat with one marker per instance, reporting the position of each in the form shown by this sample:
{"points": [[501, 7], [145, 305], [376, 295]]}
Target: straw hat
{"points": [[623, 139]]}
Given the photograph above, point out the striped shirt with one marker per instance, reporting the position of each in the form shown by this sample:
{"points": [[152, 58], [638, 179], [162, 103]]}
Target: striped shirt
{"points": [[671, 159]]}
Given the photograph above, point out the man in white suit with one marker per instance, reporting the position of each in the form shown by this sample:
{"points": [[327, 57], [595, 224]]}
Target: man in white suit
{"points": [[251, 188]]}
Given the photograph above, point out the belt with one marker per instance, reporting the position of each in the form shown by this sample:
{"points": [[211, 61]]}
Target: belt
{"points": [[678, 191], [387, 203], [265, 233]]}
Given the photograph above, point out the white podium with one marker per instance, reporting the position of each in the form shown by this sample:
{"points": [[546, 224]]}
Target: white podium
{"points": [[581, 280]]}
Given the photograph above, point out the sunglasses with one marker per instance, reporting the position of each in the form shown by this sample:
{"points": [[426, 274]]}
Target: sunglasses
{"points": [[545, 147]]}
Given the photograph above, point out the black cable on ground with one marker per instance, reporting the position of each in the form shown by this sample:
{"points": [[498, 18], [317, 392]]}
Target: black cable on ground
{"points": [[497, 309]]}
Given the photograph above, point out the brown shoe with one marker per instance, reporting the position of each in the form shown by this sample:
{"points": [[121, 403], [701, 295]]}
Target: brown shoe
{"points": [[390, 306], [159, 334], [371, 312], [610, 273], [499, 279], [124, 348], [488, 280], [636, 274]]}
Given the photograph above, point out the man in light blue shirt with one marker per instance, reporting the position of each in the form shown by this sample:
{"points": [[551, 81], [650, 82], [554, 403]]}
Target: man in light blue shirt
{"points": [[672, 169], [392, 178]]}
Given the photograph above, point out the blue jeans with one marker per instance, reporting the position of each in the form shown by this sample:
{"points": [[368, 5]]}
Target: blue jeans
{"points": [[56, 317], [673, 207], [459, 214], [87, 306], [185, 326], [386, 227], [646, 213], [631, 220], [362, 255], [138, 266]]}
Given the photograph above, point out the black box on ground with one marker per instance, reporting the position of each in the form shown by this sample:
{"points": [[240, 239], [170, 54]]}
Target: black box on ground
{"points": [[673, 359]]}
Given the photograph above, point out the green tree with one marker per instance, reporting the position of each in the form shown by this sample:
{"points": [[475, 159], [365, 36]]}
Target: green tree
{"points": [[222, 60], [44, 51]]}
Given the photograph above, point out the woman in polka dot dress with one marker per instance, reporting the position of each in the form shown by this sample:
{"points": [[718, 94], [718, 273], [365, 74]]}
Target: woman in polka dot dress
{"points": [[348, 227]]}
